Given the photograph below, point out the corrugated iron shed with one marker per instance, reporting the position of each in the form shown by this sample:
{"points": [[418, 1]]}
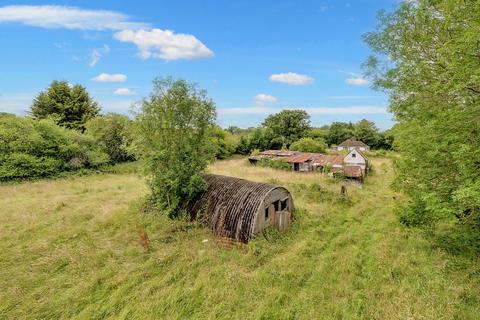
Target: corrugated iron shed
{"points": [[234, 207]]}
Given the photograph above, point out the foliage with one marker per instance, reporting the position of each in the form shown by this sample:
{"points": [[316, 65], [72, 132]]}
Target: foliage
{"points": [[114, 134], [174, 126], [69, 106], [318, 133], [225, 142], [287, 126], [279, 163], [367, 132], [33, 149], [309, 145], [427, 57], [257, 138], [339, 132]]}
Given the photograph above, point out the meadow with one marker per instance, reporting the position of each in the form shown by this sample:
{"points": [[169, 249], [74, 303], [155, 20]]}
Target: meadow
{"points": [[87, 248]]}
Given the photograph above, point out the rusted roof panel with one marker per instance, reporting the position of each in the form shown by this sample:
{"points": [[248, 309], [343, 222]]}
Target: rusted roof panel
{"points": [[322, 160], [353, 171], [300, 158]]}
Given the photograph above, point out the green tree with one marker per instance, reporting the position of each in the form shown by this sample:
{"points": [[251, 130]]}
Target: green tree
{"points": [[258, 139], [114, 133], [174, 126], [309, 145], [69, 106], [225, 143], [367, 132], [339, 132], [288, 126], [427, 58]]}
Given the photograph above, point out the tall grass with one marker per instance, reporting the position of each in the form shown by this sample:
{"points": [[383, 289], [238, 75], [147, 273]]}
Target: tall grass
{"points": [[84, 248]]}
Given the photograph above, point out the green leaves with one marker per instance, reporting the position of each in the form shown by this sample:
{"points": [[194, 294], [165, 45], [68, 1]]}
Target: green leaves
{"points": [[427, 57], [68, 106], [174, 128]]}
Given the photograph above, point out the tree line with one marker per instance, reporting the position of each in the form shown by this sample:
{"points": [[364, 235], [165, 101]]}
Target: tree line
{"points": [[291, 129]]}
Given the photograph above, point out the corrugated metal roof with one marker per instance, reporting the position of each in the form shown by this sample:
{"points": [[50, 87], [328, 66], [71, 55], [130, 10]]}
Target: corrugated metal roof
{"points": [[353, 171], [322, 160], [302, 157], [280, 153]]}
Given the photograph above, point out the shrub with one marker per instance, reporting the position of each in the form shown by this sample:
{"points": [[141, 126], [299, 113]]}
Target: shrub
{"points": [[33, 149], [174, 140], [309, 145], [279, 163], [113, 133]]}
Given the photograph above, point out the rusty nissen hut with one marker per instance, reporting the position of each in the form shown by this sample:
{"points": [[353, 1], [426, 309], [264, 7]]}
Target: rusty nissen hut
{"points": [[239, 209]]}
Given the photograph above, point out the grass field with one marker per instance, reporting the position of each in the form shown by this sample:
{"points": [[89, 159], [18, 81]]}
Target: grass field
{"points": [[83, 248]]}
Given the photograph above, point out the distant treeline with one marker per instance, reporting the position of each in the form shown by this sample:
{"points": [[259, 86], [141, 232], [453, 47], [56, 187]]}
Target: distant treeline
{"points": [[291, 129]]}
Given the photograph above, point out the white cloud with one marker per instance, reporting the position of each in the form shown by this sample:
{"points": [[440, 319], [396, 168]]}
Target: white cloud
{"points": [[48, 16], [264, 98], [97, 54], [292, 78], [313, 110], [124, 92], [165, 44], [356, 81], [105, 77]]}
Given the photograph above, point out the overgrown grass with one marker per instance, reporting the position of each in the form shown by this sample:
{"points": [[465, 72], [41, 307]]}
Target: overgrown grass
{"points": [[84, 248]]}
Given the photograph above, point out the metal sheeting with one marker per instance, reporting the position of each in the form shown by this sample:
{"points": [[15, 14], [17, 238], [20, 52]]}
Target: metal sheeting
{"points": [[231, 205]]}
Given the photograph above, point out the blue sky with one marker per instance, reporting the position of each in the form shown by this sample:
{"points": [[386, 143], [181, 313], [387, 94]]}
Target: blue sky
{"points": [[253, 57]]}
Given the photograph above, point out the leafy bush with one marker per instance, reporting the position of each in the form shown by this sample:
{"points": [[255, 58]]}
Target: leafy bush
{"points": [[279, 163], [32, 149], [174, 140], [309, 145], [113, 133], [225, 143]]}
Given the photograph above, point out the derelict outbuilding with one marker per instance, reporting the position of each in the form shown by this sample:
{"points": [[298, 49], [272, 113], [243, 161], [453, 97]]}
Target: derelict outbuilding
{"points": [[239, 208]]}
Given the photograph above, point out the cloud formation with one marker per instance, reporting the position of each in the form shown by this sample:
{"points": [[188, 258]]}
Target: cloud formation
{"points": [[165, 44], [263, 98], [292, 78], [313, 110], [106, 77], [97, 54], [51, 17], [356, 81], [124, 92]]}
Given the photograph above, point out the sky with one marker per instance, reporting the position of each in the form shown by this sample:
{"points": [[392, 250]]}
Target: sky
{"points": [[253, 57]]}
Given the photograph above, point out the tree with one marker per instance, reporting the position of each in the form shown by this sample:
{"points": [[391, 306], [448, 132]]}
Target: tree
{"points": [[367, 132], [309, 145], [174, 140], [69, 106], [113, 132], [225, 143], [427, 58], [288, 126], [339, 132], [258, 139]]}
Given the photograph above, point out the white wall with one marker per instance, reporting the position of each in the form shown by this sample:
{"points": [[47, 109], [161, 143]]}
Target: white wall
{"points": [[354, 158]]}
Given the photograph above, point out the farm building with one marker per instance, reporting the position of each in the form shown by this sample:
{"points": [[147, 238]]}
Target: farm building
{"points": [[301, 162], [349, 165], [239, 209], [357, 158], [351, 144]]}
